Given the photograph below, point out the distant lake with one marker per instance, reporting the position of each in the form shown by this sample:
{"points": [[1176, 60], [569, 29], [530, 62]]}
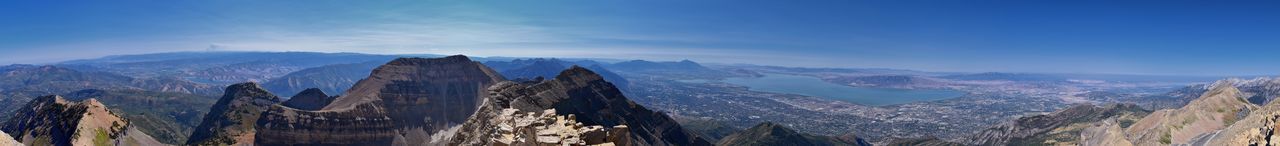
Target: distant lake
{"points": [[812, 86]]}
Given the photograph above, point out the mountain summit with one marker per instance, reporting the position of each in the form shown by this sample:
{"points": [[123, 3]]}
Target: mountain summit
{"points": [[403, 102], [231, 120], [582, 95], [52, 120]]}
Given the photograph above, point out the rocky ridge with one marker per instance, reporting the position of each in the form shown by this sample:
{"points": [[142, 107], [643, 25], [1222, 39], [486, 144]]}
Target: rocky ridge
{"points": [[52, 120], [1061, 127], [547, 128], [1260, 127], [579, 92], [1216, 109]]}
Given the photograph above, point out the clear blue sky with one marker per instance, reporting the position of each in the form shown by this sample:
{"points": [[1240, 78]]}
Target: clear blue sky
{"points": [[1136, 37]]}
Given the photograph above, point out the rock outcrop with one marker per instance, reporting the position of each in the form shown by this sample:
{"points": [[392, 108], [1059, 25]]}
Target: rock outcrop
{"points": [[770, 134], [5, 140], [1104, 133], [579, 92], [1260, 127], [168, 117], [52, 120], [1216, 109], [231, 120], [547, 128], [404, 102], [310, 99], [1061, 127]]}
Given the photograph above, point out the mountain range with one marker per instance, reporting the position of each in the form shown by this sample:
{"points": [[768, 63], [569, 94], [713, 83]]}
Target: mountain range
{"points": [[455, 100]]}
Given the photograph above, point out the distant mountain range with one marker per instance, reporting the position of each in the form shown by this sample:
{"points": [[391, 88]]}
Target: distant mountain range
{"points": [[219, 68], [22, 83], [332, 79], [302, 98], [1220, 115]]}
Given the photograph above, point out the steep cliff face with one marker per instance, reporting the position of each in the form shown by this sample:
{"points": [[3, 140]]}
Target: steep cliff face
{"points": [[310, 99], [1218, 108], [52, 120], [1061, 127], [579, 92], [770, 134], [403, 102], [231, 120]]}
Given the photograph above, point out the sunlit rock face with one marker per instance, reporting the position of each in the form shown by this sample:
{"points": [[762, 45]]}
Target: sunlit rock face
{"points": [[403, 102], [579, 92], [6, 140], [52, 120], [515, 127]]}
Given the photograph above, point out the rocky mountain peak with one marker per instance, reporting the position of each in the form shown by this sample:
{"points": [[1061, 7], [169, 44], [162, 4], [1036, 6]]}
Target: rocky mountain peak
{"points": [[230, 120], [578, 74], [400, 73], [422, 61], [1214, 110], [403, 102], [52, 120], [579, 92], [309, 99]]}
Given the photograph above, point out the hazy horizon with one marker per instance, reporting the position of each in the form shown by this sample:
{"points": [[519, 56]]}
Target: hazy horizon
{"points": [[1134, 37]]}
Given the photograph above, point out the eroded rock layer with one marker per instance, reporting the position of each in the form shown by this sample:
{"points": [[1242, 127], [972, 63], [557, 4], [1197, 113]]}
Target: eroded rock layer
{"points": [[403, 102]]}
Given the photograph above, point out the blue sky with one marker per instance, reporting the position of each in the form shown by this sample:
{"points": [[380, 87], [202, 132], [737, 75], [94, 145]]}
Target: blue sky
{"points": [[1130, 37]]}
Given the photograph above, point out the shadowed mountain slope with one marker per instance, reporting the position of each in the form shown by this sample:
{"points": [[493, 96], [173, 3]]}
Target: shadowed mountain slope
{"points": [[403, 102], [231, 120], [770, 134]]}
